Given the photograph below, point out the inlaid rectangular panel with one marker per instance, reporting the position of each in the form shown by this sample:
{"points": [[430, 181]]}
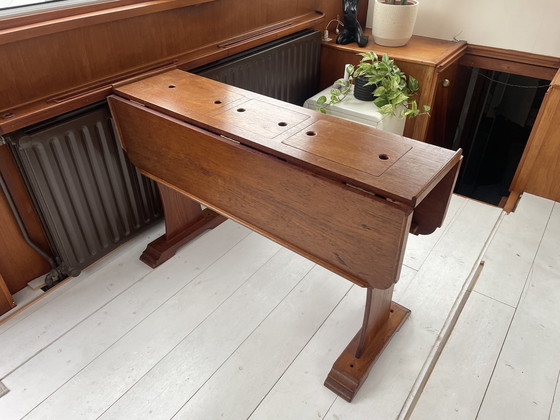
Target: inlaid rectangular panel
{"points": [[261, 118], [373, 155]]}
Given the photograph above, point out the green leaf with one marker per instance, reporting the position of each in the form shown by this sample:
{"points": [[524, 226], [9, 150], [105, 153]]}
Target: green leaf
{"points": [[321, 100], [387, 109], [379, 91], [335, 92], [380, 102], [413, 84]]}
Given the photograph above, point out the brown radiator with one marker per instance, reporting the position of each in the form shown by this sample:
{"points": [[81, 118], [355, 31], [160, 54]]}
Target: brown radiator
{"points": [[89, 196], [285, 69]]}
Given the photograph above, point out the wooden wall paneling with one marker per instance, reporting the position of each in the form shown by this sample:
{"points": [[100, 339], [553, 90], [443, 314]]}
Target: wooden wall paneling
{"points": [[539, 169], [509, 61], [6, 300], [44, 72], [18, 28]]}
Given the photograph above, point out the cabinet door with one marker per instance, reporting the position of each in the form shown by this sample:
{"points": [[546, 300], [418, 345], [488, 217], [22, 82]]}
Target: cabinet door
{"points": [[539, 168], [451, 87]]}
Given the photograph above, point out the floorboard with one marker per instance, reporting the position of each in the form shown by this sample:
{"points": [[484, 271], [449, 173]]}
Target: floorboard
{"points": [[418, 247], [513, 249], [555, 409], [462, 375], [244, 379], [41, 376], [457, 384], [237, 327], [43, 322], [526, 374], [170, 383]]}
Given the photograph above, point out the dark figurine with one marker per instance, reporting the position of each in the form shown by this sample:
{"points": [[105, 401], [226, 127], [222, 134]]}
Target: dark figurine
{"points": [[352, 30]]}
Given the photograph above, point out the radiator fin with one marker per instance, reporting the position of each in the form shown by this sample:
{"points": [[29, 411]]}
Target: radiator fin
{"points": [[287, 69], [89, 196]]}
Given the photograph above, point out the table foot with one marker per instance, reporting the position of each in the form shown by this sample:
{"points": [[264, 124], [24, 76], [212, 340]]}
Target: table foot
{"points": [[349, 372], [164, 247]]}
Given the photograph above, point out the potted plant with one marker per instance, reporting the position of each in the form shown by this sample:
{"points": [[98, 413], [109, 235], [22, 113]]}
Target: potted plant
{"points": [[393, 21], [392, 91]]}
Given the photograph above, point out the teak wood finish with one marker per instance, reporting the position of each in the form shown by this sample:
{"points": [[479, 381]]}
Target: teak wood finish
{"points": [[62, 64], [539, 168], [338, 193], [423, 58]]}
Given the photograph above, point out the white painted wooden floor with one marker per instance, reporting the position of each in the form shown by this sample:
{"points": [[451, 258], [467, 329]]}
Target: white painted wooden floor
{"points": [[236, 327]]}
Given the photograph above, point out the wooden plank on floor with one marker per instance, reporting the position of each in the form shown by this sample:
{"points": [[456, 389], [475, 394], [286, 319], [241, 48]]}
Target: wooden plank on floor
{"points": [[52, 367], [431, 297], [300, 393], [3, 389], [45, 324], [243, 380], [524, 381], [510, 255], [14, 318], [168, 385], [457, 384], [217, 320]]}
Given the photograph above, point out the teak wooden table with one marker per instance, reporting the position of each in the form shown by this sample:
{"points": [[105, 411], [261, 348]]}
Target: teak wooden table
{"points": [[339, 193]]}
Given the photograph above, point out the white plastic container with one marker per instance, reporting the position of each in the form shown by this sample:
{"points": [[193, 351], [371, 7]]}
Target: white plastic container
{"points": [[363, 112]]}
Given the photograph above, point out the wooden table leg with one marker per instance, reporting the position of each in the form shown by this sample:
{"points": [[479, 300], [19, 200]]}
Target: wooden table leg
{"points": [[382, 319], [184, 221]]}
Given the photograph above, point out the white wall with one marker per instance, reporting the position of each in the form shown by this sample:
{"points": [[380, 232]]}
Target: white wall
{"points": [[522, 25]]}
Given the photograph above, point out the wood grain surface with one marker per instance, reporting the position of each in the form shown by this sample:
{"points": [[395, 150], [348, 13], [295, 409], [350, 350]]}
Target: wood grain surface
{"points": [[230, 112], [350, 232], [539, 167]]}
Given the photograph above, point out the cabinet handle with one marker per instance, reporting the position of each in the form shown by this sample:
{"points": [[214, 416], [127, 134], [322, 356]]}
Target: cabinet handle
{"points": [[445, 83]]}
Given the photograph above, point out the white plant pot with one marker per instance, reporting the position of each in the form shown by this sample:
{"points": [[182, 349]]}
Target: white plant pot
{"points": [[393, 24]]}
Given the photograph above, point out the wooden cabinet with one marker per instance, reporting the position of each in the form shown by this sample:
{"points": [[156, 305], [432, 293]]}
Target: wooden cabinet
{"points": [[539, 168], [431, 61]]}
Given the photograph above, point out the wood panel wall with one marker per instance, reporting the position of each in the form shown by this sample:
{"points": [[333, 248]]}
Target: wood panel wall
{"points": [[44, 75], [51, 68]]}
